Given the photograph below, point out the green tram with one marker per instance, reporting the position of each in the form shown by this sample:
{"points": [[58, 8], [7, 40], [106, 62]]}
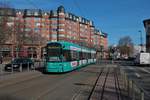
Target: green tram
{"points": [[65, 56]]}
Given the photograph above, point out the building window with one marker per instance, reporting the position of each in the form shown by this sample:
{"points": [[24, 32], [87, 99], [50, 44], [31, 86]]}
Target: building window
{"points": [[29, 13], [61, 35], [67, 15], [68, 36], [36, 14], [53, 18], [54, 29], [61, 30], [27, 29], [61, 18], [36, 29], [61, 24], [10, 24], [61, 13], [28, 18], [37, 24], [53, 24], [55, 13], [148, 30], [54, 35], [37, 19]]}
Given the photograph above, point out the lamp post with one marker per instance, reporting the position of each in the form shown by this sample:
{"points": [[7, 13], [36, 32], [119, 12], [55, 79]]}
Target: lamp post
{"points": [[141, 40]]}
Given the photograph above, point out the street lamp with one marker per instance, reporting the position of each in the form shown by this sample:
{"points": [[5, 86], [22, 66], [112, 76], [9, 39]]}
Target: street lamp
{"points": [[141, 40]]}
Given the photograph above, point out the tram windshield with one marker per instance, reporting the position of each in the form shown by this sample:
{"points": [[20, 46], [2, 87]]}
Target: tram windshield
{"points": [[54, 52], [54, 59]]}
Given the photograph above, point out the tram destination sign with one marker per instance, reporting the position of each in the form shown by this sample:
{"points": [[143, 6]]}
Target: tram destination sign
{"points": [[54, 46]]}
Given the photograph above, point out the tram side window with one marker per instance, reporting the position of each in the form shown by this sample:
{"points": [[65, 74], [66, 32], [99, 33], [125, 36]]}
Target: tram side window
{"points": [[66, 55], [74, 55], [92, 55], [70, 55], [80, 55], [84, 55], [89, 55]]}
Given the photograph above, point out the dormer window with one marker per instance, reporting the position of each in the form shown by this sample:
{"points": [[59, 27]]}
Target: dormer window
{"points": [[45, 14], [36, 13]]}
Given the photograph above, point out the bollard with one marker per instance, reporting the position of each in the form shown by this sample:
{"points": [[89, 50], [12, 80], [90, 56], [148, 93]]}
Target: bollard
{"points": [[20, 68], [12, 68], [122, 77], [34, 66], [42, 64], [125, 82], [28, 66], [112, 62], [131, 88], [129, 91], [128, 87], [1, 69], [142, 95], [39, 64], [133, 95]]}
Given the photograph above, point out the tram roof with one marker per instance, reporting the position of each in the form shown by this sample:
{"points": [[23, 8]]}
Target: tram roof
{"points": [[73, 46]]}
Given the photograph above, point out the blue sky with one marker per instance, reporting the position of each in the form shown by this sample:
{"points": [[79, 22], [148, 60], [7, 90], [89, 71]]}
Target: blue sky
{"points": [[118, 18]]}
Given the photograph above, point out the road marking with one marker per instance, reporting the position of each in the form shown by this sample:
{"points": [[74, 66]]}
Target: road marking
{"points": [[143, 69], [137, 75], [131, 68]]}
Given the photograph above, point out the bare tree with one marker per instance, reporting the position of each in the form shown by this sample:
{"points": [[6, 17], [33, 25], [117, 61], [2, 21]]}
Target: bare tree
{"points": [[4, 29], [125, 46], [33, 38]]}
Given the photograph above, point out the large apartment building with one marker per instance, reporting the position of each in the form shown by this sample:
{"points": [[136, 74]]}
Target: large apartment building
{"points": [[147, 29], [57, 25]]}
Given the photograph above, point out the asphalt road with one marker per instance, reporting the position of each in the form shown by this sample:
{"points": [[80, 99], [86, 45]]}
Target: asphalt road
{"points": [[141, 77], [75, 85]]}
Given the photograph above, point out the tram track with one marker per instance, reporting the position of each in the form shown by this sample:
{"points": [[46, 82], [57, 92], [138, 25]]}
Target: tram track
{"points": [[104, 84], [99, 85], [102, 87], [117, 85], [101, 71]]}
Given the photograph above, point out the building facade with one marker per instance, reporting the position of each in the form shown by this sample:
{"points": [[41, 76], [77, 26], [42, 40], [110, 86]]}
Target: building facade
{"points": [[147, 29], [59, 25]]}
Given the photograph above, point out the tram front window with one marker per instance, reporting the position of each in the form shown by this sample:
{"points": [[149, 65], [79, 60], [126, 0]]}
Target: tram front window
{"points": [[54, 59], [54, 55]]}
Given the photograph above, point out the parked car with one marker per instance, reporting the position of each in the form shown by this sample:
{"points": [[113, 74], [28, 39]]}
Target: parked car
{"points": [[18, 62]]}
